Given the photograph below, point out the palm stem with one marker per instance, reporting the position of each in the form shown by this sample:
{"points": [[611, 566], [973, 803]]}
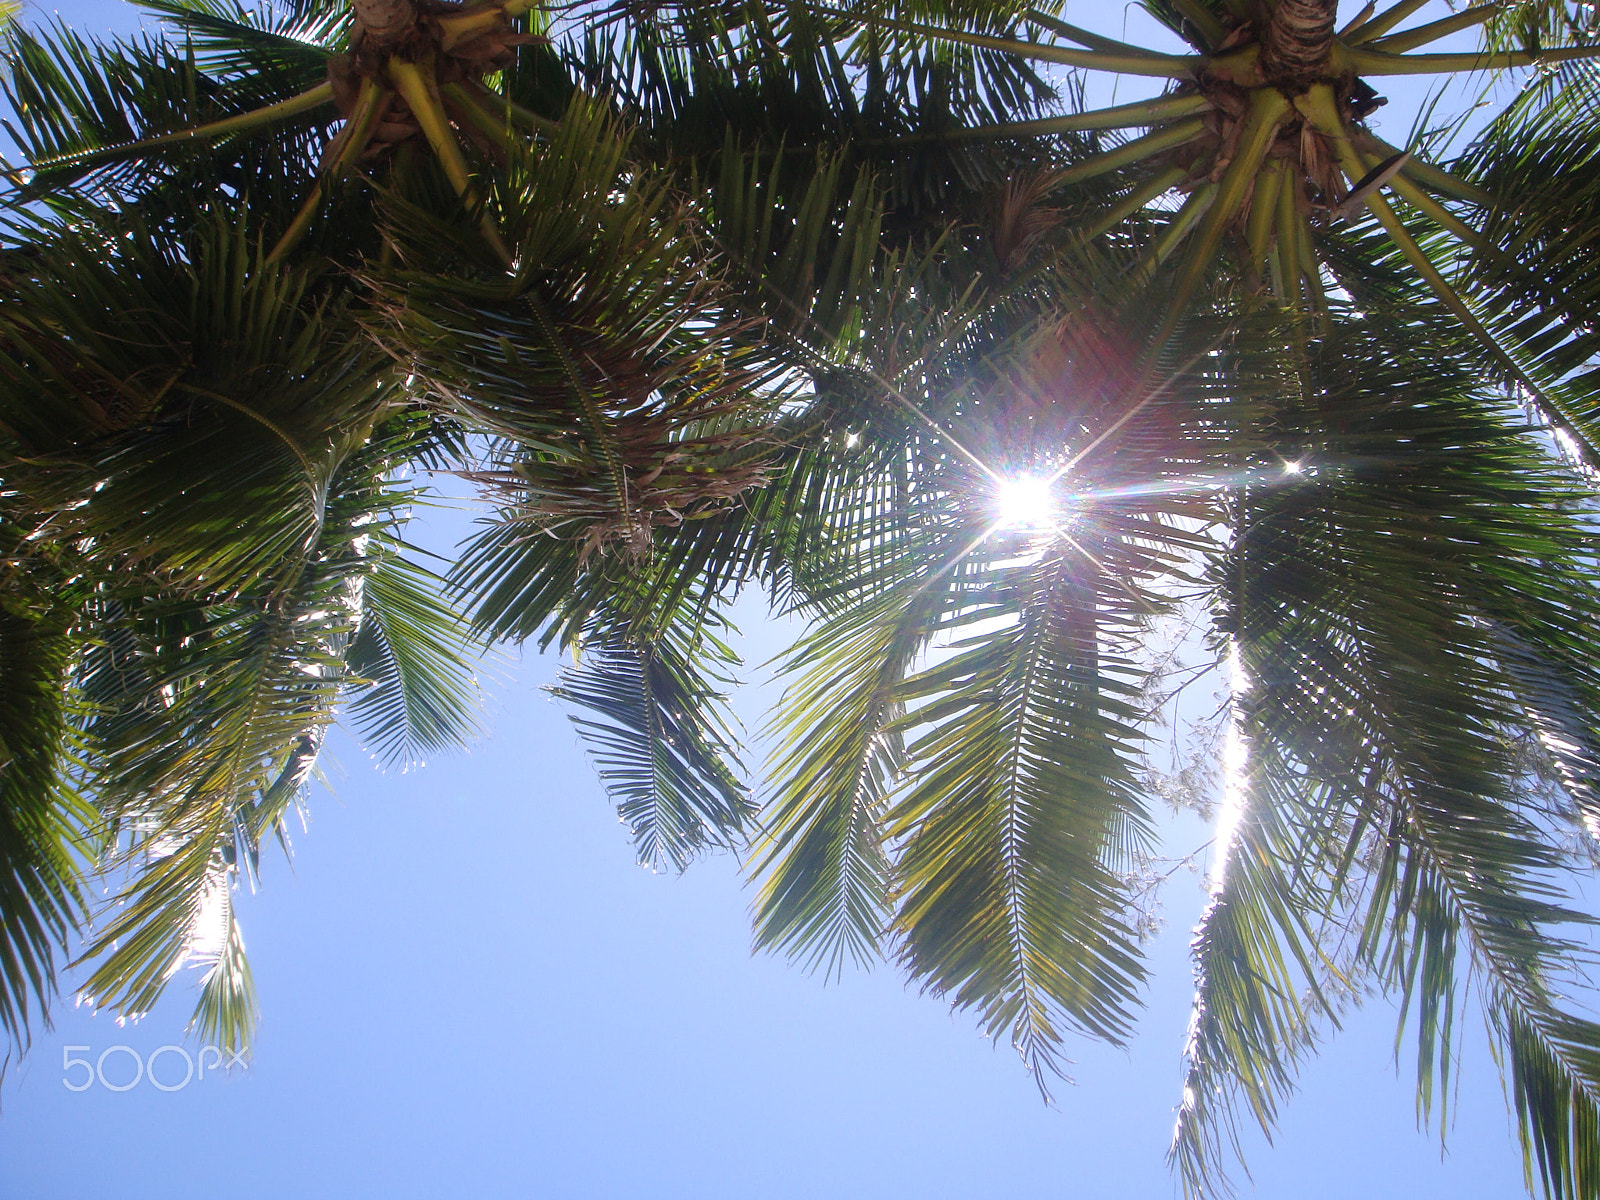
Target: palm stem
{"points": [[350, 141], [1287, 253], [1200, 202], [1157, 185], [1443, 217], [1263, 206], [1139, 114], [1161, 66], [1131, 152], [418, 91], [1267, 109], [456, 27], [1440, 215], [1084, 37], [304, 102], [481, 118], [1383, 22], [1374, 62], [1357, 21], [1434, 30], [345, 148], [1426, 174], [526, 116], [410, 82], [1202, 19], [301, 223], [1310, 270]]}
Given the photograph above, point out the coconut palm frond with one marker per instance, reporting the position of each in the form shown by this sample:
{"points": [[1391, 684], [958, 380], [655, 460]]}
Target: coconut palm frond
{"points": [[823, 861], [417, 663], [620, 398], [175, 402], [210, 713], [1395, 601], [1020, 809], [661, 736], [44, 821], [173, 418], [104, 122]]}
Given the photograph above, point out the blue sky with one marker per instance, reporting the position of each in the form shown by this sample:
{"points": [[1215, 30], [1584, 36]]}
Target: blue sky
{"points": [[469, 989]]}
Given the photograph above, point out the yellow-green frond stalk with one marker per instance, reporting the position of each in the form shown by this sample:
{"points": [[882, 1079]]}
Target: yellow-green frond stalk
{"points": [[1257, 129]]}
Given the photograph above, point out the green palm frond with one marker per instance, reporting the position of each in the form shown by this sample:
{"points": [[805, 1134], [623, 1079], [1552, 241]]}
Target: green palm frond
{"points": [[1393, 606], [661, 738], [210, 716], [1280, 154], [620, 399], [1531, 24], [823, 861], [231, 41], [416, 659], [172, 416], [1021, 808], [806, 254], [1266, 987], [44, 822], [163, 396], [807, 75], [84, 110], [1535, 274], [936, 814]]}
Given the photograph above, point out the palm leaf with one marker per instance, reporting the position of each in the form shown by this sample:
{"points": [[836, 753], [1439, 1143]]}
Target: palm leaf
{"points": [[420, 694], [43, 820], [1388, 827], [661, 739]]}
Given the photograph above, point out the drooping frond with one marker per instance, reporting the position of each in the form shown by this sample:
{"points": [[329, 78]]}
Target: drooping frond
{"points": [[43, 820], [1393, 600], [661, 737], [823, 862], [419, 693], [1020, 805], [177, 424]]}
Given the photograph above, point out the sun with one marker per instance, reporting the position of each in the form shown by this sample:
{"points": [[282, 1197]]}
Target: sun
{"points": [[1025, 502]]}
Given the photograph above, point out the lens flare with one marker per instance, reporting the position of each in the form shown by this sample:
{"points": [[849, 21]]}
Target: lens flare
{"points": [[1026, 502], [1235, 771]]}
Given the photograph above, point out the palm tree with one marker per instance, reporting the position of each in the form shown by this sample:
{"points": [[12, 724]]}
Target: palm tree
{"points": [[202, 561], [1262, 133], [208, 425], [1414, 643], [787, 297]]}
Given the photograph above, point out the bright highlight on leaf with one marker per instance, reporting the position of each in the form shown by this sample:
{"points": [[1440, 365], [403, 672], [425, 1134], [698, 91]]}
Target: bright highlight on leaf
{"points": [[1026, 502]]}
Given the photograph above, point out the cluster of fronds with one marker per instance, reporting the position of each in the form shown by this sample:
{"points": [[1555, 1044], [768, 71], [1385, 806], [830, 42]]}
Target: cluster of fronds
{"points": [[720, 295]]}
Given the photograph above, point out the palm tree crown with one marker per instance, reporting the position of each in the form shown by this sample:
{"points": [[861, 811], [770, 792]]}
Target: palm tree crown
{"points": [[787, 296]]}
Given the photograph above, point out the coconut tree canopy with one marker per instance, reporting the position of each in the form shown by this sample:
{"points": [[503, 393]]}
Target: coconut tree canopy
{"points": [[849, 306]]}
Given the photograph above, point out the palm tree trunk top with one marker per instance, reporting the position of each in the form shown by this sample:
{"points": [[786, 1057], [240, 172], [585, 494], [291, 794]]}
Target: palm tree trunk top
{"points": [[1298, 37], [385, 22]]}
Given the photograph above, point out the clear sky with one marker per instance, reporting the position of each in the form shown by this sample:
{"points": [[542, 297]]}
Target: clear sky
{"points": [[469, 989]]}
